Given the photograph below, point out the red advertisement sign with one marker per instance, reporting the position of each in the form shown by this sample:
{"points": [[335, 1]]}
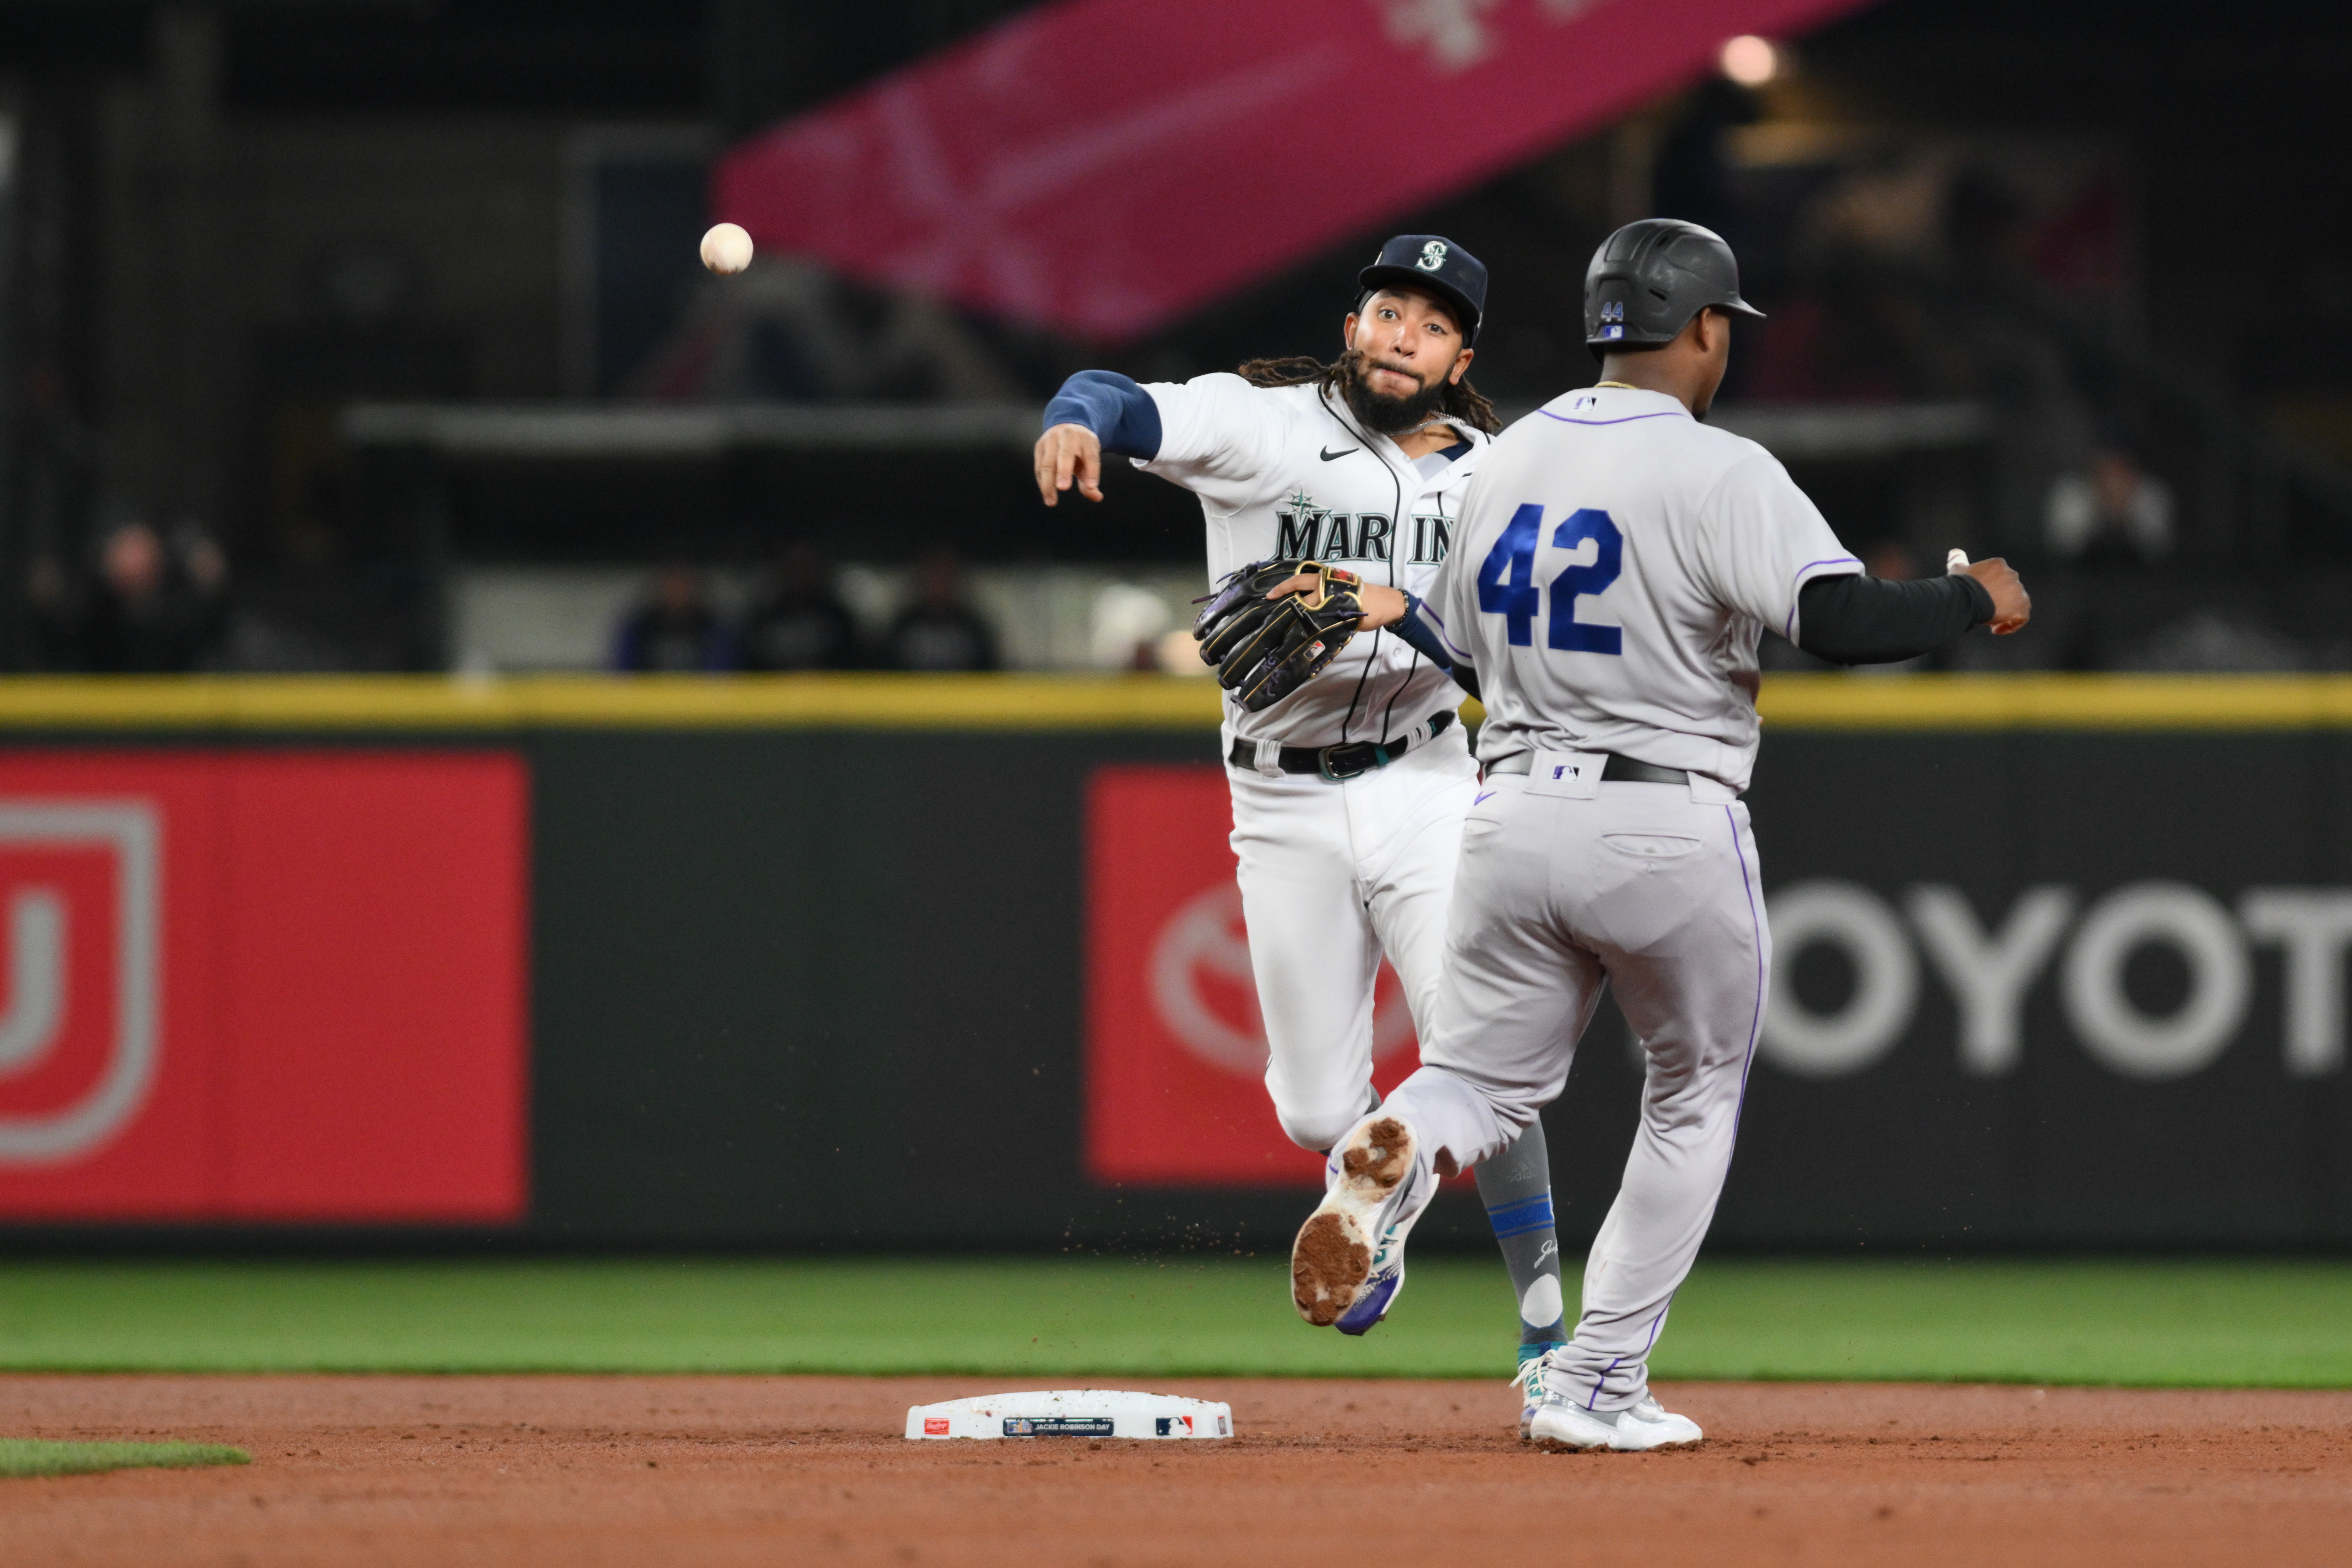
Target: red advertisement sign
{"points": [[263, 986], [1102, 166], [1175, 1051]]}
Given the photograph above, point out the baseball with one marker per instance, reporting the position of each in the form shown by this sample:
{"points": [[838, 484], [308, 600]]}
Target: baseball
{"points": [[727, 247], [1956, 561]]}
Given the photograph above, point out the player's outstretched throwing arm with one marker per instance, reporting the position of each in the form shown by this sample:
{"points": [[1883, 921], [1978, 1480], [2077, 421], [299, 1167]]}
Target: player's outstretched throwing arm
{"points": [[1096, 411], [1216, 436]]}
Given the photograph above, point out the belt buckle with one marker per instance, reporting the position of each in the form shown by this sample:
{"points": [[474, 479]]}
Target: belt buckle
{"points": [[1337, 773]]}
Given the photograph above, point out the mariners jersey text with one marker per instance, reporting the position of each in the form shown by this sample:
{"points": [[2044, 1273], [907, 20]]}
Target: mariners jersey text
{"points": [[1303, 531], [1287, 472]]}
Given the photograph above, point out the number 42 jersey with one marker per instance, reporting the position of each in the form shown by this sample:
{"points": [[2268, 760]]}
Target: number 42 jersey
{"points": [[1615, 565]]}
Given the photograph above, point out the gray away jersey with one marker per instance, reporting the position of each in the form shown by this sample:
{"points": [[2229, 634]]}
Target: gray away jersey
{"points": [[1286, 471], [1613, 568]]}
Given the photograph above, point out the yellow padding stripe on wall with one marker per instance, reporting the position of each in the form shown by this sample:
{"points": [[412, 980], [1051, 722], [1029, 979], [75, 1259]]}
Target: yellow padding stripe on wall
{"points": [[688, 702], [1049, 702], [2056, 702]]}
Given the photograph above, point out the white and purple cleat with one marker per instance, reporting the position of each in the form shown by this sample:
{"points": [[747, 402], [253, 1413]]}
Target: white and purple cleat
{"points": [[1347, 1268]]}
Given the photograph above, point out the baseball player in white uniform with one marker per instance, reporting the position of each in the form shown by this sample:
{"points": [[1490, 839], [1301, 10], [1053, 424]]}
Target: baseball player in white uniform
{"points": [[1349, 793], [1614, 566]]}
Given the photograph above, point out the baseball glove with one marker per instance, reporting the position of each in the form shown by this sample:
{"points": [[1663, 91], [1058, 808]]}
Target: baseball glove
{"points": [[1265, 648]]}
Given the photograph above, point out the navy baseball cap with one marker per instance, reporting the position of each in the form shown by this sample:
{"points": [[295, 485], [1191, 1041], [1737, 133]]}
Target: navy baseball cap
{"points": [[1433, 262]]}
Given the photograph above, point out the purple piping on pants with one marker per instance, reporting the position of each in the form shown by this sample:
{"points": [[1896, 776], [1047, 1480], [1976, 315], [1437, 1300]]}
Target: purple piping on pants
{"points": [[1788, 626], [1756, 925], [1646, 1346], [1598, 1381]]}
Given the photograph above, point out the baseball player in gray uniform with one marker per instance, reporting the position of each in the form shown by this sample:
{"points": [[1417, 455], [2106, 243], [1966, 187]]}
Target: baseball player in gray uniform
{"points": [[1615, 564], [1349, 792]]}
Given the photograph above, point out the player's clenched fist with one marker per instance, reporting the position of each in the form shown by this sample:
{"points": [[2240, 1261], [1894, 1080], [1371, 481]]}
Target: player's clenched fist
{"points": [[2012, 607], [1069, 454]]}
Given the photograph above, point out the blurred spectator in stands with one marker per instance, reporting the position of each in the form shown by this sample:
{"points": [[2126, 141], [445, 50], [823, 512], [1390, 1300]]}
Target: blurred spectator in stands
{"points": [[53, 608], [1129, 622], [801, 625], [677, 633], [2114, 514], [939, 631], [155, 609], [2224, 639]]}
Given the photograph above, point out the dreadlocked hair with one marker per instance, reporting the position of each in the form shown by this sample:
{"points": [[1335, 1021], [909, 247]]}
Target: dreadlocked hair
{"points": [[1460, 400]]}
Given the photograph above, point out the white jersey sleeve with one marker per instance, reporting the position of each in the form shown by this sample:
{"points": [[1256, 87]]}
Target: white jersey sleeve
{"points": [[1218, 441], [1764, 539]]}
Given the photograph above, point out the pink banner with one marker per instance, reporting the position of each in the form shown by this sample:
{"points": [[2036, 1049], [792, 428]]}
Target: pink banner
{"points": [[1100, 167]]}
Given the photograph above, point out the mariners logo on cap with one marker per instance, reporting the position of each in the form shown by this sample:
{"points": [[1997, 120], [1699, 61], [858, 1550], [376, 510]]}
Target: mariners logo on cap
{"points": [[1433, 255]]}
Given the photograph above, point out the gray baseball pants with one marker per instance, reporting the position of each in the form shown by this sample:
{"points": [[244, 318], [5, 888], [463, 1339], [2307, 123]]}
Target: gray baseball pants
{"points": [[1562, 889]]}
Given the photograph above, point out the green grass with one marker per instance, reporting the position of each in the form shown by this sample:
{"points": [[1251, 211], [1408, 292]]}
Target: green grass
{"points": [[30, 1457], [2280, 1324]]}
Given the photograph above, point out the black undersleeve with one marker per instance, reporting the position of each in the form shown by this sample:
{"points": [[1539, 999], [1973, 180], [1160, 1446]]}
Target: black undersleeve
{"points": [[1878, 620]]}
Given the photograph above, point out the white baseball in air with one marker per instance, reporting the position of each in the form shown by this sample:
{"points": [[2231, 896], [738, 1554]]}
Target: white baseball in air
{"points": [[1956, 561], [727, 247]]}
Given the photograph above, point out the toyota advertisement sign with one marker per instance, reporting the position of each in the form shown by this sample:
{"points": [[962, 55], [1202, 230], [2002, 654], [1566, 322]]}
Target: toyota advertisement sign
{"points": [[1987, 967], [2042, 987]]}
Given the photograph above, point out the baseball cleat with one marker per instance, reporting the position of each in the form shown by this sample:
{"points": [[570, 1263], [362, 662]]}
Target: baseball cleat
{"points": [[1347, 1266], [1534, 1394], [1558, 1418]]}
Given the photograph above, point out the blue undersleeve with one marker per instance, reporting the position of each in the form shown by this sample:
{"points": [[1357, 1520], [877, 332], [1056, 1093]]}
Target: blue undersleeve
{"points": [[1115, 409]]}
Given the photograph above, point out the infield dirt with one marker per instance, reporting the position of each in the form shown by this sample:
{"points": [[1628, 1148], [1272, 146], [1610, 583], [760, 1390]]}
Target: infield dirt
{"points": [[682, 1471]]}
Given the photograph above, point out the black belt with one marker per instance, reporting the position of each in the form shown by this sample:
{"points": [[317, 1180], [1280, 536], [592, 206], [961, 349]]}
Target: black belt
{"points": [[1345, 761], [1616, 770]]}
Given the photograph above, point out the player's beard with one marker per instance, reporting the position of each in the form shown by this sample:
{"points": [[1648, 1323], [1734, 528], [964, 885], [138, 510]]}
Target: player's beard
{"points": [[1381, 414]]}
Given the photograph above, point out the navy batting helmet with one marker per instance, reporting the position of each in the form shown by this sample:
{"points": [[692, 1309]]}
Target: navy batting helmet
{"points": [[1649, 278]]}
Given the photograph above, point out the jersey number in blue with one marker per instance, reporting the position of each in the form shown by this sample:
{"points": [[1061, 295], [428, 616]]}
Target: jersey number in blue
{"points": [[1506, 581]]}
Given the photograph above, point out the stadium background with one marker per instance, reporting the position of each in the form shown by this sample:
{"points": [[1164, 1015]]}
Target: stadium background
{"points": [[458, 943]]}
